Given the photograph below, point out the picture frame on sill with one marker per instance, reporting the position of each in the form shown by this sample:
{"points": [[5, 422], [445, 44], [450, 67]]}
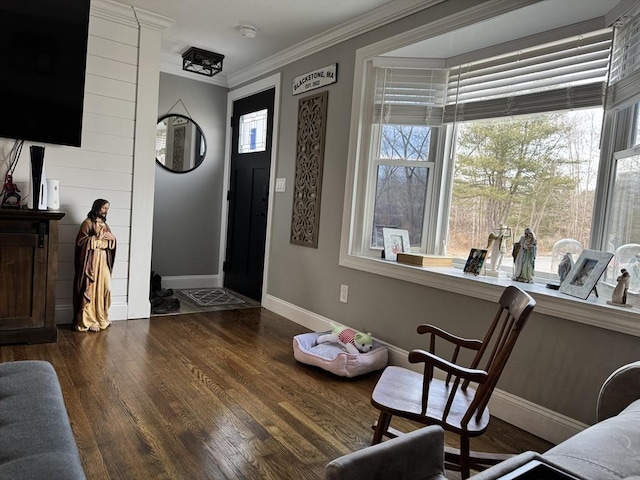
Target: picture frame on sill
{"points": [[475, 261], [395, 240], [585, 273]]}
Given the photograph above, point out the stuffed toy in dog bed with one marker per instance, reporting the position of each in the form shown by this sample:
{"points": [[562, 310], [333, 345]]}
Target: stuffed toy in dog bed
{"points": [[352, 340], [335, 359]]}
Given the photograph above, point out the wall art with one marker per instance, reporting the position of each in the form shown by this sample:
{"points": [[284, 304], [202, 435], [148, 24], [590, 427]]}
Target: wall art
{"points": [[312, 124]]}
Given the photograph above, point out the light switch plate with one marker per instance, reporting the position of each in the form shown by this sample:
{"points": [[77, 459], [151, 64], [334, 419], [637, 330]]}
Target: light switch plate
{"points": [[281, 184]]}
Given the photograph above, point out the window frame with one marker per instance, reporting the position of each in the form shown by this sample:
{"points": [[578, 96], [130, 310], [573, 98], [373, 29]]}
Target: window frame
{"points": [[374, 162], [592, 311]]}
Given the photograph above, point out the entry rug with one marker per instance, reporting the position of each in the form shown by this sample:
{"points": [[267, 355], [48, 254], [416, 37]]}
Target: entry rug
{"points": [[211, 297]]}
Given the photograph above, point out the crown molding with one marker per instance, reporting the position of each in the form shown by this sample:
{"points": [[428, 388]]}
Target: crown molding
{"points": [[152, 20], [114, 12], [378, 17], [130, 16]]}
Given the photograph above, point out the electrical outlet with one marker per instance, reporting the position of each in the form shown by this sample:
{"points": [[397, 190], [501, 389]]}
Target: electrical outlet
{"points": [[344, 293]]}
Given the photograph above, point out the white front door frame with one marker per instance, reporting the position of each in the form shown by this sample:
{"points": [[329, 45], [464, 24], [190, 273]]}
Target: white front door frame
{"points": [[273, 81]]}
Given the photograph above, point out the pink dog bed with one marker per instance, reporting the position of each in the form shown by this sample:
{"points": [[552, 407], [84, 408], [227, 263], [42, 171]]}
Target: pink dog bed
{"points": [[335, 359]]}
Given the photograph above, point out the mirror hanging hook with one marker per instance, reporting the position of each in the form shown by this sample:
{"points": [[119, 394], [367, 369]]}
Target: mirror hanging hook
{"points": [[183, 106]]}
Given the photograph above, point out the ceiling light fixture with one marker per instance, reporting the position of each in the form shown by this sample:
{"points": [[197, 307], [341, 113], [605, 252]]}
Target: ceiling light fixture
{"points": [[201, 61], [248, 31]]}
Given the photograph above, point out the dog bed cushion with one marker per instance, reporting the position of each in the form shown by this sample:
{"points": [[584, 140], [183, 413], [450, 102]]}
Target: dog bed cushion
{"points": [[333, 357]]}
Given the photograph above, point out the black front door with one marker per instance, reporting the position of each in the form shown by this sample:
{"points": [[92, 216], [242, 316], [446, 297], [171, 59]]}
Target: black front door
{"points": [[251, 139]]}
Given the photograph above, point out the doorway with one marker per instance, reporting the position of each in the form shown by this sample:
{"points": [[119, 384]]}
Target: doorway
{"points": [[248, 193]]}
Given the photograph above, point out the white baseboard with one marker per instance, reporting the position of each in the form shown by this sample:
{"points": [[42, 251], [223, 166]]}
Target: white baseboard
{"points": [[533, 418], [192, 281], [303, 317]]}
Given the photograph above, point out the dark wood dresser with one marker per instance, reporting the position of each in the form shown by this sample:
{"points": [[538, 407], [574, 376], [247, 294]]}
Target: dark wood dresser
{"points": [[28, 271]]}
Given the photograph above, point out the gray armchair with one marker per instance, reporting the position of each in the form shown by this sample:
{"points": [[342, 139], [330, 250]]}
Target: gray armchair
{"points": [[607, 450], [418, 455]]}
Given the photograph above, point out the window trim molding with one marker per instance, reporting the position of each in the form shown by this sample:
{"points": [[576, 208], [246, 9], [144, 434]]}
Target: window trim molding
{"points": [[593, 311]]}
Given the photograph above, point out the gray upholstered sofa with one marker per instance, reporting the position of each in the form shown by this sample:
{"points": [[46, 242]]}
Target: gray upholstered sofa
{"points": [[36, 441], [610, 449]]}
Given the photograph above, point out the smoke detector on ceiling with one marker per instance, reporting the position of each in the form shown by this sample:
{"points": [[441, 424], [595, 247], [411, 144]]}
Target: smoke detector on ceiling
{"points": [[248, 31]]}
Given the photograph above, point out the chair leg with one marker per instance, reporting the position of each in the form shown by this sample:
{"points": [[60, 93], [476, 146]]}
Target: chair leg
{"points": [[464, 457], [381, 428]]}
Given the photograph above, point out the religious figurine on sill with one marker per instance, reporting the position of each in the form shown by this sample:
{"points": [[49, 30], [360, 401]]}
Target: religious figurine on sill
{"points": [[565, 266], [498, 244], [524, 257], [95, 253], [619, 296]]}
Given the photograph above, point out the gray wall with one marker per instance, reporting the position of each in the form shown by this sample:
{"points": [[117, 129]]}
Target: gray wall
{"points": [[557, 364], [187, 206]]}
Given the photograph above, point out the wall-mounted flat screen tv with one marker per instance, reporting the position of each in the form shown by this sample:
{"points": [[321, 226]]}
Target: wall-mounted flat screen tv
{"points": [[43, 53]]}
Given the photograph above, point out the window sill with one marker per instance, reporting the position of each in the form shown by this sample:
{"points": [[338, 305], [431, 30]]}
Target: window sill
{"points": [[593, 311]]}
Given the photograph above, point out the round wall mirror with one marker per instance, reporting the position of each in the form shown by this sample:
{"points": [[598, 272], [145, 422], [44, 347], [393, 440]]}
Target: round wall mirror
{"points": [[180, 143]]}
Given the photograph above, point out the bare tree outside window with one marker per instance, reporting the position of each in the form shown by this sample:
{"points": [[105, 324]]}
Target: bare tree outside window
{"points": [[401, 185]]}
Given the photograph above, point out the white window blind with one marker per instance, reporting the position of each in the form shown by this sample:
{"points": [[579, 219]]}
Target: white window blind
{"points": [[565, 74], [624, 79], [409, 96]]}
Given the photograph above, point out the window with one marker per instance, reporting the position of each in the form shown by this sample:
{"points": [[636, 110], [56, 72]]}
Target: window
{"points": [[636, 122], [491, 167], [536, 171], [621, 220], [253, 132], [548, 99], [402, 173], [622, 224], [403, 128], [624, 220]]}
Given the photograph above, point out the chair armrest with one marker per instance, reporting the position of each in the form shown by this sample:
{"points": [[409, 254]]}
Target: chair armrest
{"points": [[419, 454], [471, 374], [620, 389], [470, 343]]}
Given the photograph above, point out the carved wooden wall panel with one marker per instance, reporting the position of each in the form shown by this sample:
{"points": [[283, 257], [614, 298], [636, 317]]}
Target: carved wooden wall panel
{"points": [[312, 120]]}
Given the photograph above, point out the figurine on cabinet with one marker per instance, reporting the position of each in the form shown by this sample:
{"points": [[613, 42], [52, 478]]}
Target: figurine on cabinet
{"points": [[10, 191]]}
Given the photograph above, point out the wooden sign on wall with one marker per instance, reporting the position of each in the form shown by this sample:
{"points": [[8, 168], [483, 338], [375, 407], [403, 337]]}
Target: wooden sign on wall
{"points": [[312, 124], [316, 79]]}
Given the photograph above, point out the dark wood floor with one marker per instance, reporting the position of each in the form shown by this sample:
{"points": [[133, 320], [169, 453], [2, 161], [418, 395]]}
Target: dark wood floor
{"points": [[215, 395]]}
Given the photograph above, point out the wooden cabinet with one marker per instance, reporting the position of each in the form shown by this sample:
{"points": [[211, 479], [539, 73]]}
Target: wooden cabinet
{"points": [[28, 271]]}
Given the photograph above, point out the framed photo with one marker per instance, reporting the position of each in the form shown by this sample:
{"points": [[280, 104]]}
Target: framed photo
{"points": [[475, 261], [395, 240], [585, 273]]}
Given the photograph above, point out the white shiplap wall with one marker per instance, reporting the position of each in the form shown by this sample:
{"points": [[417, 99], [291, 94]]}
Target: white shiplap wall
{"points": [[103, 167], [105, 164]]}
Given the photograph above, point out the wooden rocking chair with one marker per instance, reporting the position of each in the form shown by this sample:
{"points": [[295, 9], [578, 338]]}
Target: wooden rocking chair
{"points": [[452, 403]]}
